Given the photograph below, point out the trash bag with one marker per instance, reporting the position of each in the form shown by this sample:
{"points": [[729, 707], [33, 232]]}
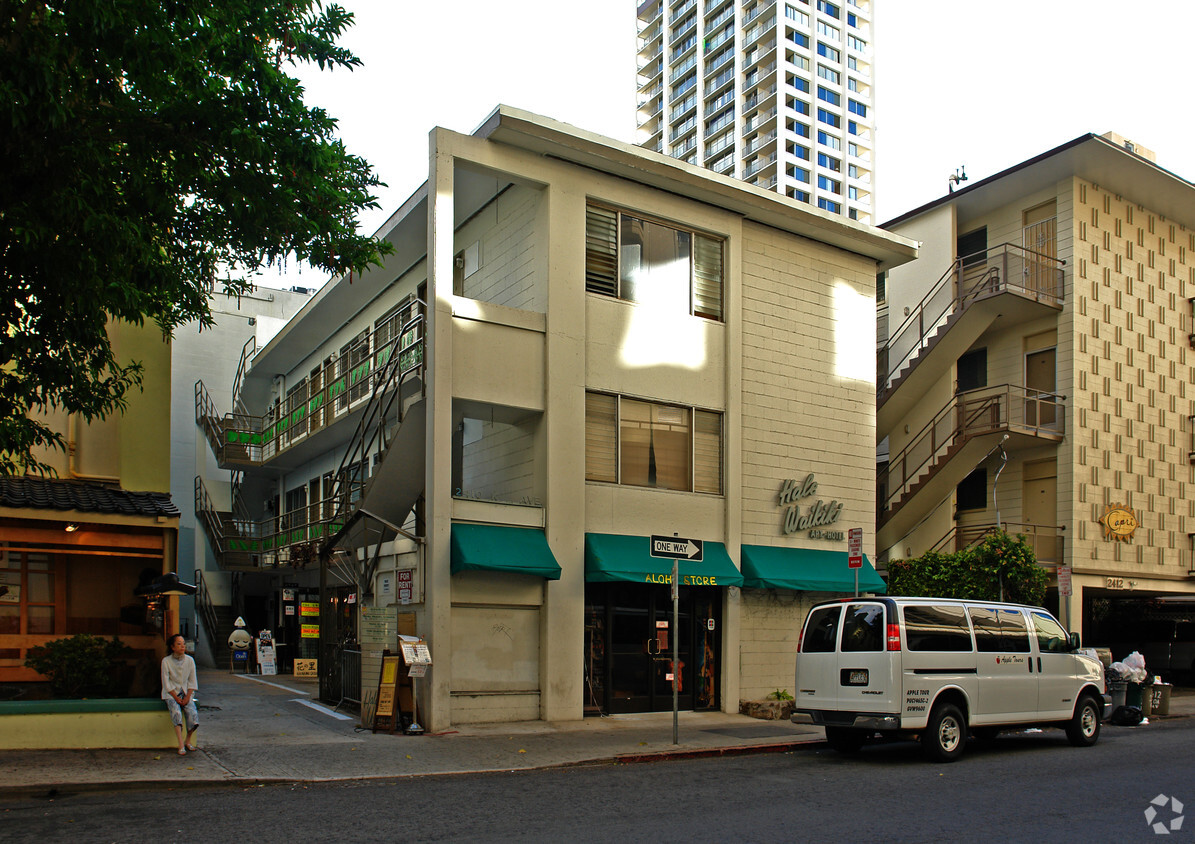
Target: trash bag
{"points": [[1135, 663], [1126, 716]]}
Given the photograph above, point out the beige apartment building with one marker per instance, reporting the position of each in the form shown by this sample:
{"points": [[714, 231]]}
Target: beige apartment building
{"points": [[576, 344], [1035, 372]]}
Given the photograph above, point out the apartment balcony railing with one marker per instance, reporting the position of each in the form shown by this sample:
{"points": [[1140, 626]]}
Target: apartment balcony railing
{"points": [[682, 11], [1047, 541], [758, 164], [989, 410], [290, 540], [243, 439], [720, 18], [972, 278]]}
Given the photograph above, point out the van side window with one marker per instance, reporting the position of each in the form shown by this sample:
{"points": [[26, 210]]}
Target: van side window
{"points": [[821, 631], [1051, 638], [999, 630], [863, 628], [937, 628]]}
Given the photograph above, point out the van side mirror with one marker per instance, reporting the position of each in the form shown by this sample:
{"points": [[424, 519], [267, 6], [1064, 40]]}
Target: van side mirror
{"points": [[1075, 645]]}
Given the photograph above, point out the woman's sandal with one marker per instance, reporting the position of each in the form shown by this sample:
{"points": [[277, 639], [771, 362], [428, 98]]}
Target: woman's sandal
{"points": [[182, 752], [191, 747]]}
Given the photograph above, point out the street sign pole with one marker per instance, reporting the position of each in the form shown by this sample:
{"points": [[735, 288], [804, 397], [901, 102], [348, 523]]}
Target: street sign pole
{"points": [[855, 553], [675, 651]]}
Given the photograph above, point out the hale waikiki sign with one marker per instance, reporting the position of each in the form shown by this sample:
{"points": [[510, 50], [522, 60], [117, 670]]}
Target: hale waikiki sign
{"points": [[815, 517]]}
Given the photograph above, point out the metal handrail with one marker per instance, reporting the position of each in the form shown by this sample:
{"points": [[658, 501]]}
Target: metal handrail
{"points": [[247, 352], [369, 434], [1038, 536], [969, 414], [207, 612], [968, 279]]}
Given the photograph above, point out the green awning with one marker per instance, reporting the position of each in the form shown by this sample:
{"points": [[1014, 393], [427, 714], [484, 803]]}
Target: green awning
{"points": [[500, 548], [806, 569], [610, 557]]}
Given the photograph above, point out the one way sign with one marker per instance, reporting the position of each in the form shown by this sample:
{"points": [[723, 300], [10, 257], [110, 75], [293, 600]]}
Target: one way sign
{"points": [[676, 548]]}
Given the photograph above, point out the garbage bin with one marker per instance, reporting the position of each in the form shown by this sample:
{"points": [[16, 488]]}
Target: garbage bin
{"points": [[1117, 689], [1159, 698], [1134, 695]]}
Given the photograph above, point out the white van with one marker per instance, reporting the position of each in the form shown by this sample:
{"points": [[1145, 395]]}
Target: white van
{"points": [[942, 669]]}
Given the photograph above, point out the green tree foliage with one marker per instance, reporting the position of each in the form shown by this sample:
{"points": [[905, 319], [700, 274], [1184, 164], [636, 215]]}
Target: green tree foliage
{"points": [[977, 572], [77, 666], [149, 148]]}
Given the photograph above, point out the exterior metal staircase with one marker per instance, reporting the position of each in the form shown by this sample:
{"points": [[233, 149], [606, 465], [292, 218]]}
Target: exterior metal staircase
{"points": [[372, 501], [953, 443], [1047, 541], [1007, 281]]}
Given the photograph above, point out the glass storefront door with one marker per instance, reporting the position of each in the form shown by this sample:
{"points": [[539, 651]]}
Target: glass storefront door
{"points": [[630, 635]]}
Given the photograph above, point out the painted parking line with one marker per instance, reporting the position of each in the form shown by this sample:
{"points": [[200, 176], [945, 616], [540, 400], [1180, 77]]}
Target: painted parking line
{"points": [[268, 683], [321, 708]]}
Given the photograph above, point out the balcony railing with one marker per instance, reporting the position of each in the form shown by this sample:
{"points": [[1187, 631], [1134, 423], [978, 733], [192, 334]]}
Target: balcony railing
{"points": [[292, 539], [970, 278], [244, 439], [1047, 541], [988, 410]]}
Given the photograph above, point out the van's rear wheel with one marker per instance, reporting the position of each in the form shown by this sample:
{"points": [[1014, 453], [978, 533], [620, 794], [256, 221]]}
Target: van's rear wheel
{"points": [[846, 739], [1083, 729], [946, 733]]}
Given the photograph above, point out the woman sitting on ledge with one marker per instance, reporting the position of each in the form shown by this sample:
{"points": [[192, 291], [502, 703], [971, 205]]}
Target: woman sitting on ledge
{"points": [[179, 684]]}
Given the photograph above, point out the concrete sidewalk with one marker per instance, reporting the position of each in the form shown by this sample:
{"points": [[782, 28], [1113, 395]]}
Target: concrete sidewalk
{"points": [[271, 729]]}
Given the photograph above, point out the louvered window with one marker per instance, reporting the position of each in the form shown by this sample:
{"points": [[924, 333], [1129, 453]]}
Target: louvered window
{"points": [[601, 251], [640, 443], [601, 440], [707, 452], [645, 261]]}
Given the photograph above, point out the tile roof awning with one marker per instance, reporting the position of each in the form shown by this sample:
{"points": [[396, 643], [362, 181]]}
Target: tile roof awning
{"points": [[806, 570], [611, 557], [83, 496], [518, 550]]}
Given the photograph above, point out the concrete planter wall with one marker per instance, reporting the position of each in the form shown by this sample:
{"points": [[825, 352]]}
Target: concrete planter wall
{"points": [[102, 723]]}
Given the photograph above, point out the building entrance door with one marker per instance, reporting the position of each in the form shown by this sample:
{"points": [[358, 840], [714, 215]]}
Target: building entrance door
{"points": [[638, 666]]}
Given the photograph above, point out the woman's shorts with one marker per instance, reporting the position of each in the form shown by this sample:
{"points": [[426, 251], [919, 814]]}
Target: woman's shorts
{"points": [[176, 713]]}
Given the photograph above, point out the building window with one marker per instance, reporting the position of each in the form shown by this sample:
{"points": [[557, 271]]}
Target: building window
{"points": [[827, 74], [798, 195], [827, 8], [641, 443], [798, 83], [856, 43], [828, 140], [796, 15], [828, 96], [852, 193], [829, 162], [798, 128], [971, 493], [641, 260], [832, 185], [855, 107], [799, 173], [799, 38], [829, 118], [829, 205], [827, 52], [798, 151], [799, 106]]}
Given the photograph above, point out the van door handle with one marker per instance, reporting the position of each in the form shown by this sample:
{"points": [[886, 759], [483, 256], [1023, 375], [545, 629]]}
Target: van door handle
{"points": [[1039, 665], [1030, 661]]}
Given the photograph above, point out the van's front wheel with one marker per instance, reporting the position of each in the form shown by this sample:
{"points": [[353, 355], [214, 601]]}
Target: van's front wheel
{"points": [[1083, 729], [846, 739], [946, 733]]}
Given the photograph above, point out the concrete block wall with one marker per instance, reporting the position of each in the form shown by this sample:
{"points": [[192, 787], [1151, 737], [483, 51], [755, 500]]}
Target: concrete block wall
{"points": [[501, 465], [505, 233], [1134, 384]]}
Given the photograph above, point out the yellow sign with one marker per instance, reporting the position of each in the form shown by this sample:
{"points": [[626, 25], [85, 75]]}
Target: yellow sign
{"points": [[306, 667], [309, 631], [308, 608], [1119, 522]]}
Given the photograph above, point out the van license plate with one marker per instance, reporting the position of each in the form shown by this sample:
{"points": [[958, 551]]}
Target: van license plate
{"points": [[854, 677]]}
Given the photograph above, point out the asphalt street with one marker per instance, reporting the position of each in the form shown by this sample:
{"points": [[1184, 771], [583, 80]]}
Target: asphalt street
{"points": [[1022, 786]]}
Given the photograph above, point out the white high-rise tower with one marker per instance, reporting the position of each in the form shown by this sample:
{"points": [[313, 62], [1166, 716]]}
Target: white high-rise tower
{"points": [[775, 92]]}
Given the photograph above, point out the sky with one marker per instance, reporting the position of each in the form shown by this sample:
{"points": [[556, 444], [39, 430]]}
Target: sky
{"points": [[958, 83]]}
